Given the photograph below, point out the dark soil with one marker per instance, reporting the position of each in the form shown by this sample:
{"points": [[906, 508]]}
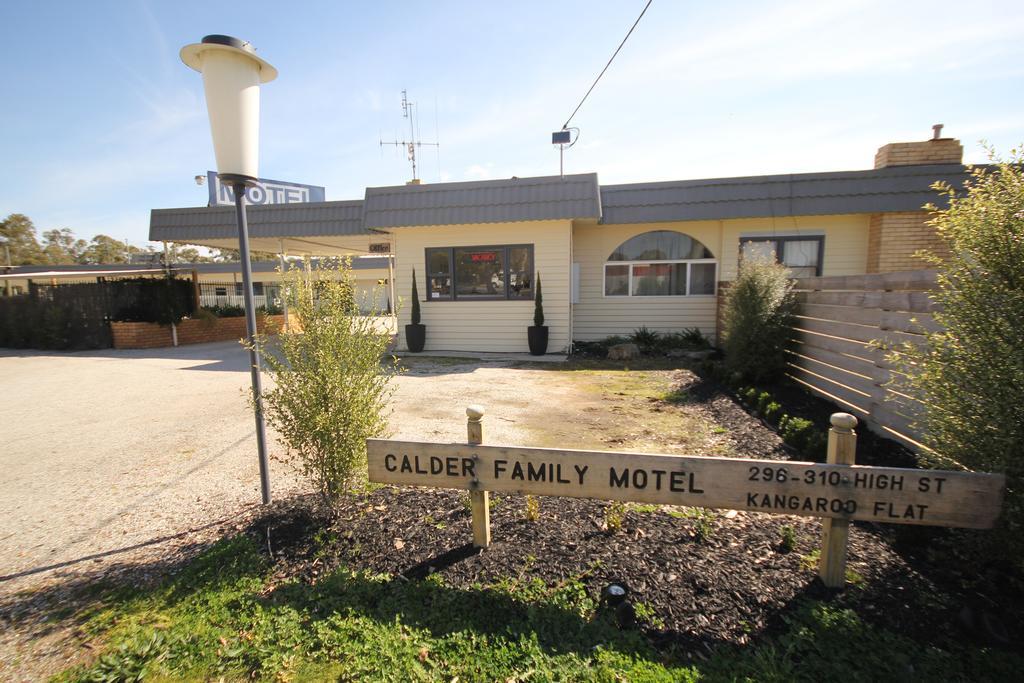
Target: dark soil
{"points": [[729, 584], [721, 578]]}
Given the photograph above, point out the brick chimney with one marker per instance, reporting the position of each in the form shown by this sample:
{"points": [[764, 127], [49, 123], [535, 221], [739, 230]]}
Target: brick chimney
{"points": [[938, 150]]}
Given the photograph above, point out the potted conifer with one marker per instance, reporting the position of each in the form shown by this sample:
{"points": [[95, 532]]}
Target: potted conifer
{"points": [[537, 335], [415, 333]]}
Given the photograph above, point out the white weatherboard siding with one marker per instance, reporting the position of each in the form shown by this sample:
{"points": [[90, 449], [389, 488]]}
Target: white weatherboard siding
{"points": [[486, 325], [597, 316], [846, 240]]}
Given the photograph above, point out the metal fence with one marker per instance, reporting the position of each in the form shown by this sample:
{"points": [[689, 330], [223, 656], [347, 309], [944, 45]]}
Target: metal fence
{"points": [[266, 295]]}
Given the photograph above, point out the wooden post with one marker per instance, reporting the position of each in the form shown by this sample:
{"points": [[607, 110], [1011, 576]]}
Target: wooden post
{"points": [[479, 499], [842, 450]]}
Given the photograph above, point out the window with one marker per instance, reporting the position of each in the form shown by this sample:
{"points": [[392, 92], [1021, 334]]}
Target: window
{"points": [[660, 263], [801, 254], [468, 273]]}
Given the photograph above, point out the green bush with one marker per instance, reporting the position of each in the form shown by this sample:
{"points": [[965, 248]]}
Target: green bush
{"points": [[971, 373], [772, 410], [763, 399], [331, 387], [758, 315], [538, 305], [797, 432], [226, 311], [645, 338], [415, 312]]}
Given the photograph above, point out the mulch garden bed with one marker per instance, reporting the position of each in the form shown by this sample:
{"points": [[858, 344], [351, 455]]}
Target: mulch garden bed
{"points": [[721, 579], [731, 585]]}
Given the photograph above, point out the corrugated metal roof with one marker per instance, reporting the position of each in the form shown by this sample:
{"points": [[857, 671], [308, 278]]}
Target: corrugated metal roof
{"points": [[903, 188], [274, 220], [484, 201]]}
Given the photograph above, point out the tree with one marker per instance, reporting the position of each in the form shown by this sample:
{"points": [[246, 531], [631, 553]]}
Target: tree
{"points": [[331, 389], [970, 373], [61, 247], [234, 256], [104, 249], [21, 241]]}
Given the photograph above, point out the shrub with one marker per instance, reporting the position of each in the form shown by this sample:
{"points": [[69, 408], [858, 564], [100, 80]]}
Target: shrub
{"points": [[772, 410], [757, 319], [330, 385], [226, 311], [796, 432], [415, 313], [538, 306], [970, 374], [763, 399], [645, 338]]}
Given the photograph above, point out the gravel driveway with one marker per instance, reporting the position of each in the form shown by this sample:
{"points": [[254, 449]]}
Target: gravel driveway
{"points": [[111, 456]]}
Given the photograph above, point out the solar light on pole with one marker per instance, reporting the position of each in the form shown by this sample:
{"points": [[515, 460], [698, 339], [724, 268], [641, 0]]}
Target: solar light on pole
{"points": [[232, 74]]}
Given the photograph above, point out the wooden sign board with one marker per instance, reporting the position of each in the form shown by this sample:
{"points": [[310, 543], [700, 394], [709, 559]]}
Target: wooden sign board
{"points": [[876, 494]]}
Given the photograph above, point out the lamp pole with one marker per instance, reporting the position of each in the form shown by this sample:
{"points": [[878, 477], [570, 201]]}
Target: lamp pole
{"points": [[232, 74]]}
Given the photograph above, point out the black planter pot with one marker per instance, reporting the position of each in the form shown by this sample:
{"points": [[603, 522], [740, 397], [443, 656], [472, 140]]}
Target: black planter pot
{"points": [[416, 337], [538, 338]]}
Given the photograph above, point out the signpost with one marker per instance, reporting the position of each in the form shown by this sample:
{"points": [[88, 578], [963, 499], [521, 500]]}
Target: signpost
{"points": [[265, 192], [838, 490]]}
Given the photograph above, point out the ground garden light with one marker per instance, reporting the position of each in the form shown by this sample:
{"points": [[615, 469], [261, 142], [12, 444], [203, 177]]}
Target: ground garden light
{"points": [[232, 74]]}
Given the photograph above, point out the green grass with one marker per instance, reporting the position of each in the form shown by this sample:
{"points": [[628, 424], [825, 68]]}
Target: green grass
{"points": [[223, 616]]}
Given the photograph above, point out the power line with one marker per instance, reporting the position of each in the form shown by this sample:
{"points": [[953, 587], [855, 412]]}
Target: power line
{"points": [[567, 121]]}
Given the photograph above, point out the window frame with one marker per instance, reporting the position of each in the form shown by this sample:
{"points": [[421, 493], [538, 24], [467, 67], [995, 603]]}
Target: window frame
{"points": [[689, 280], [780, 241], [453, 289]]}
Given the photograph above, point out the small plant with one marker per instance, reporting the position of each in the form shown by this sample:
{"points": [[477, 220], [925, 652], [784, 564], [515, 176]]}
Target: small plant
{"points": [[704, 524], [532, 512], [645, 508], [749, 396], [538, 305], [763, 399], [788, 542], [415, 313], [614, 516], [797, 432], [645, 614], [810, 560], [690, 338], [772, 410], [645, 338]]}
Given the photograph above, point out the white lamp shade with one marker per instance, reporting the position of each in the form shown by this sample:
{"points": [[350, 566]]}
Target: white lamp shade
{"points": [[231, 79]]}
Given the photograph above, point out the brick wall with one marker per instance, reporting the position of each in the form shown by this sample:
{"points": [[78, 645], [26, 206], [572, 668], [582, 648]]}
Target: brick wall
{"points": [[941, 151], [895, 238], [152, 335]]}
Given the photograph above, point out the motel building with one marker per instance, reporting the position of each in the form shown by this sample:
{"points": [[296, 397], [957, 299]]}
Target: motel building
{"points": [[611, 258]]}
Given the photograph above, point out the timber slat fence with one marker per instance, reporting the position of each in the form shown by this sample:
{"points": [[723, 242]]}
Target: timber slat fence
{"points": [[835, 354]]}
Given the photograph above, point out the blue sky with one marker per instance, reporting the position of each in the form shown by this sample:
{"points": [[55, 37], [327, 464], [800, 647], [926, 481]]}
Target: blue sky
{"points": [[102, 122]]}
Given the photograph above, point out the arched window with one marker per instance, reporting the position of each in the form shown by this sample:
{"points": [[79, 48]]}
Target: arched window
{"points": [[660, 263]]}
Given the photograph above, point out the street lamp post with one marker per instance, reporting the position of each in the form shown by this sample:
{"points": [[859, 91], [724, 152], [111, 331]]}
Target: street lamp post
{"points": [[232, 74]]}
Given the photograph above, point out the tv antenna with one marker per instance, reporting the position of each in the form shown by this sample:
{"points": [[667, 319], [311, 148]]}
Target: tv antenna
{"points": [[412, 143]]}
